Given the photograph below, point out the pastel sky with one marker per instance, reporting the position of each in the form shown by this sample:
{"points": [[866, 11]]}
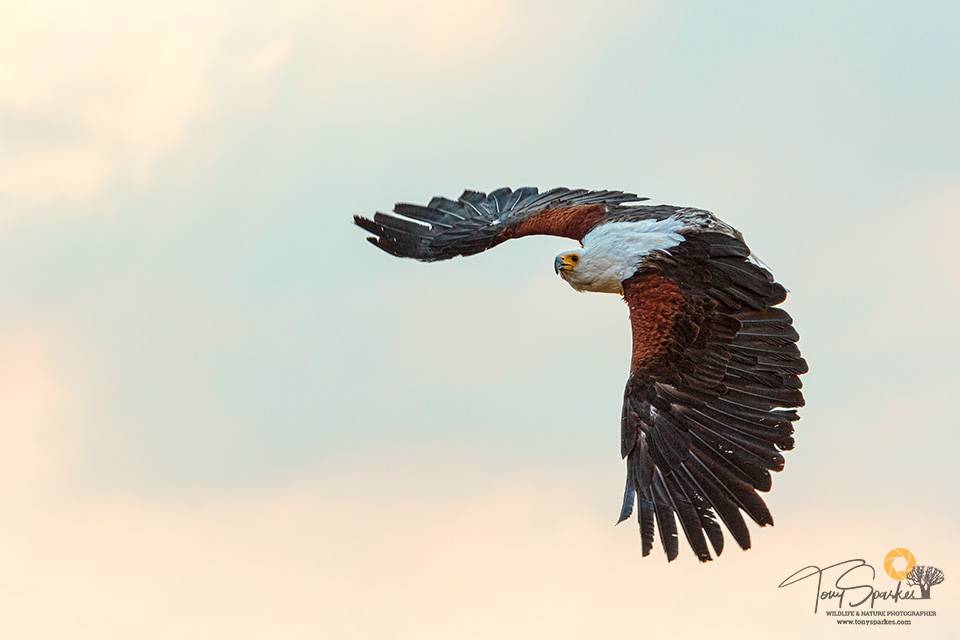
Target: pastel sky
{"points": [[227, 416]]}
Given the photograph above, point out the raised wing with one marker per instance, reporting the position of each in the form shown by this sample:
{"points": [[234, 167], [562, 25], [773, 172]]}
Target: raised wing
{"points": [[712, 393], [477, 221]]}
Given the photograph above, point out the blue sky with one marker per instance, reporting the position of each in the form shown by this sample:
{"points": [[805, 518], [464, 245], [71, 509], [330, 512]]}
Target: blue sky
{"points": [[202, 324]]}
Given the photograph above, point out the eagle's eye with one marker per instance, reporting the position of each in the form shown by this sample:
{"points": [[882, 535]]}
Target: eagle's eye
{"points": [[574, 258]]}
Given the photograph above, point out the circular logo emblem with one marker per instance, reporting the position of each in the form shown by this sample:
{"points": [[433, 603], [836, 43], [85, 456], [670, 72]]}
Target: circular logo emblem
{"points": [[893, 557]]}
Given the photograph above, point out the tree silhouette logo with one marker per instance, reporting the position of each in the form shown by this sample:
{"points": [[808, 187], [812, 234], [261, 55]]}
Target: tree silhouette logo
{"points": [[924, 577], [900, 564]]}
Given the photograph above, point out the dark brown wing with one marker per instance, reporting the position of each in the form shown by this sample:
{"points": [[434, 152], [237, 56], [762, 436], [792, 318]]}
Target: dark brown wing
{"points": [[477, 221], [712, 393]]}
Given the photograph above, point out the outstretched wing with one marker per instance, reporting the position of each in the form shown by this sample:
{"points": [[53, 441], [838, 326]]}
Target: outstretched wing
{"points": [[477, 221], [712, 393]]}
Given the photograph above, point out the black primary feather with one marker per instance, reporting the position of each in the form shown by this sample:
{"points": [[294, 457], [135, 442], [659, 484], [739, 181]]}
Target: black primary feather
{"points": [[475, 221], [714, 412]]}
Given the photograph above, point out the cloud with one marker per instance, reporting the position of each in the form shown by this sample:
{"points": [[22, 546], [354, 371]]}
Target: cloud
{"points": [[400, 541], [35, 401], [95, 95], [269, 58], [940, 234], [98, 93], [426, 29], [359, 555]]}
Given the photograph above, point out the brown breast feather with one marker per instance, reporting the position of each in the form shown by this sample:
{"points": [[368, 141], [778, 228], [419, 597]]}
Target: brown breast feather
{"points": [[655, 303]]}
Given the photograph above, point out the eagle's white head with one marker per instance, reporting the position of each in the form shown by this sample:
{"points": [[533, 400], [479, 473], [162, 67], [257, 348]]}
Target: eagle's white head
{"points": [[613, 251], [595, 271]]}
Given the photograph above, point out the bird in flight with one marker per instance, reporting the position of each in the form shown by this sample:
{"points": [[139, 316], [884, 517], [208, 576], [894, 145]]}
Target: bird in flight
{"points": [[714, 382]]}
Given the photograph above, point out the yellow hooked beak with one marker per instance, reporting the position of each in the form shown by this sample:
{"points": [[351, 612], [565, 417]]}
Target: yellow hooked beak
{"points": [[564, 263]]}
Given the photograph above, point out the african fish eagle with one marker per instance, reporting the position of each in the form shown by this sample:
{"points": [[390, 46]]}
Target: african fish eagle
{"points": [[714, 372]]}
